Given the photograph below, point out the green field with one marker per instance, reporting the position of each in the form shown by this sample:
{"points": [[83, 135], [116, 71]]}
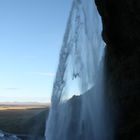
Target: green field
{"points": [[23, 119]]}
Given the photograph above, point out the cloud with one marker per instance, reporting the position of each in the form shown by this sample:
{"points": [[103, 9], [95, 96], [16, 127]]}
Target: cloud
{"points": [[48, 74], [11, 88], [29, 56]]}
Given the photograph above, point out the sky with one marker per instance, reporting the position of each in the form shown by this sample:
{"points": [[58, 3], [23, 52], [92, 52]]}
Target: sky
{"points": [[31, 34]]}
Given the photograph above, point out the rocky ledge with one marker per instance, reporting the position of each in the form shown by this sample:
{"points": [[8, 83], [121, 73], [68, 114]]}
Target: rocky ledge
{"points": [[7, 136]]}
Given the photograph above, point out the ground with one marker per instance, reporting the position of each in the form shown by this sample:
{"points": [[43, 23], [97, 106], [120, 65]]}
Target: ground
{"points": [[23, 119]]}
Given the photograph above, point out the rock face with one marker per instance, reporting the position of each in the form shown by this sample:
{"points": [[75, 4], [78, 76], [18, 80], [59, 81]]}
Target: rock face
{"points": [[7, 136], [121, 32]]}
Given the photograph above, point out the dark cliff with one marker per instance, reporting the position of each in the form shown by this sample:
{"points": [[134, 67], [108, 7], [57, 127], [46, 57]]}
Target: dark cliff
{"points": [[121, 32]]}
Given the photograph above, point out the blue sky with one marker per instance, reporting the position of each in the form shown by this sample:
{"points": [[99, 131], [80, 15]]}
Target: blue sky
{"points": [[31, 33]]}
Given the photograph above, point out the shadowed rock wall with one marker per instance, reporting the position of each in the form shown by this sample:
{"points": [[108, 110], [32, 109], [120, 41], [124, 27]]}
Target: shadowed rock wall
{"points": [[121, 32]]}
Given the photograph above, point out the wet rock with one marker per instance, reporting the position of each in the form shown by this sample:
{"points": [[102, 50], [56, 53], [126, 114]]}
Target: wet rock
{"points": [[121, 32], [7, 136]]}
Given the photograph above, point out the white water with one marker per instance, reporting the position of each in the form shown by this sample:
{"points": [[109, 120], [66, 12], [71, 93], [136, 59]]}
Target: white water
{"points": [[82, 62]]}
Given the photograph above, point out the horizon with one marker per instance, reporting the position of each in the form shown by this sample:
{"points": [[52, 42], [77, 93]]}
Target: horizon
{"points": [[20, 102]]}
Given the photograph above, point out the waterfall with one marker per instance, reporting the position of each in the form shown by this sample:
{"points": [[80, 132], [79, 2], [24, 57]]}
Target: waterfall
{"points": [[78, 110]]}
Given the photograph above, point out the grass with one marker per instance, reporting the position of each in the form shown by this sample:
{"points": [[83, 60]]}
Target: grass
{"points": [[23, 119]]}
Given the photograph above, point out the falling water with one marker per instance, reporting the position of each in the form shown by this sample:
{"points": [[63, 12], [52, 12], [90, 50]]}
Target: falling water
{"points": [[81, 67]]}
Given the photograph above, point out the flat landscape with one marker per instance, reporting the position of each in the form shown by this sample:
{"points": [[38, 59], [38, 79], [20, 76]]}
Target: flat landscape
{"points": [[21, 107], [23, 119]]}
